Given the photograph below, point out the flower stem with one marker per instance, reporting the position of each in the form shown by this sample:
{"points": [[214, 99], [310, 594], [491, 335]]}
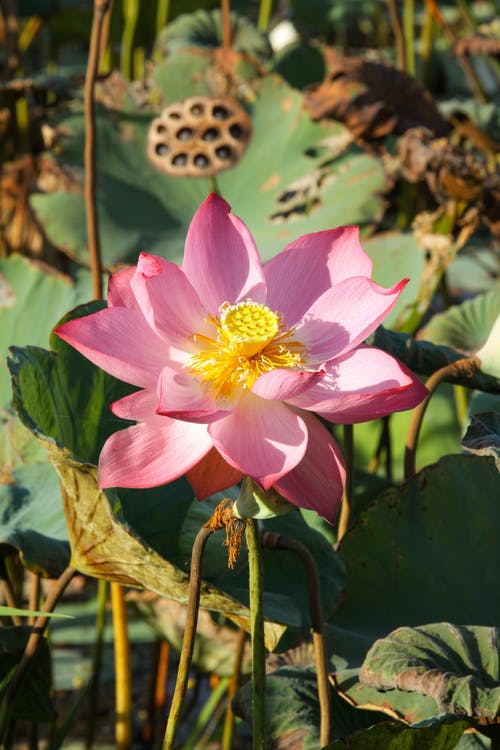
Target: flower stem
{"points": [[466, 367], [189, 636], [348, 496], [265, 10], [227, 732], [123, 726], [257, 633], [272, 540], [100, 9]]}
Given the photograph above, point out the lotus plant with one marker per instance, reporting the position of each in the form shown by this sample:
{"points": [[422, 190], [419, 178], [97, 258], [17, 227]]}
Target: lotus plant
{"points": [[234, 361]]}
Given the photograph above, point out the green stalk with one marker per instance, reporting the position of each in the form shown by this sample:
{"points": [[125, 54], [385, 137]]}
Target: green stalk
{"points": [[162, 10], [257, 633], [131, 13], [265, 10], [409, 29], [348, 496]]}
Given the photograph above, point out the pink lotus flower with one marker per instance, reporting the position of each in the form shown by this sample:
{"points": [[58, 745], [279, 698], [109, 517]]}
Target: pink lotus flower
{"points": [[233, 358]]}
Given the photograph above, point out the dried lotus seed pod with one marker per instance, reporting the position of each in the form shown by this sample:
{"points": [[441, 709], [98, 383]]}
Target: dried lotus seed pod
{"points": [[199, 137]]}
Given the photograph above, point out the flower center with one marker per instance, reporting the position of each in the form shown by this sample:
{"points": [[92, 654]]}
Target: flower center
{"points": [[251, 340]]}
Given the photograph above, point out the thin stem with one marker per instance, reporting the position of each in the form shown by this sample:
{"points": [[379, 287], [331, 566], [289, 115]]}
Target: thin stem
{"points": [[265, 10], [131, 13], [409, 30], [102, 595], [228, 731], [34, 596], [32, 646], [466, 367], [257, 633], [272, 540], [10, 599], [105, 61], [226, 25], [100, 8], [348, 496], [189, 636], [397, 30], [162, 10], [123, 687]]}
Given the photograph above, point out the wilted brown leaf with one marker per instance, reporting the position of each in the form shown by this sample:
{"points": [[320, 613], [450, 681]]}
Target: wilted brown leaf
{"points": [[372, 99]]}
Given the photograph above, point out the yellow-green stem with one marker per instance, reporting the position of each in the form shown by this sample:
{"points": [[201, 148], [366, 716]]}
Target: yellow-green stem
{"points": [[131, 13], [123, 688], [348, 496], [265, 10], [257, 634], [409, 32]]}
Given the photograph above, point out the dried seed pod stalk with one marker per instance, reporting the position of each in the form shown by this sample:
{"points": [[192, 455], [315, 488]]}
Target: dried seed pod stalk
{"points": [[199, 137]]}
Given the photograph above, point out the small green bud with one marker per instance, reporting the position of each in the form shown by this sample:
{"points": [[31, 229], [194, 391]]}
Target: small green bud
{"points": [[255, 502]]}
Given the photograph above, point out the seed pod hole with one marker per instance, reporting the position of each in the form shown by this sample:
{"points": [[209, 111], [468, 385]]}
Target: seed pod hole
{"points": [[200, 160], [161, 149], [220, 113], [179, 160], [197, 110], [223, 152], [184, 134], [210, 135], [236, 131]]}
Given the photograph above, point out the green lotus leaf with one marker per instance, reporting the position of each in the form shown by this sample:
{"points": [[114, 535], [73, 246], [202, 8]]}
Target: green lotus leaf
{"points": [[445, 736], [32, 298], [203, 29], [465, 327], [456, 665], [410, 708], [300, 64], [483, 435], [292, 709], [424, 358], [32, 520], [295, 177], [422, 552]]}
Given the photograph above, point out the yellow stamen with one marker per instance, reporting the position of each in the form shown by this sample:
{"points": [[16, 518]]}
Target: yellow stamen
{"points": [[250, 340]]}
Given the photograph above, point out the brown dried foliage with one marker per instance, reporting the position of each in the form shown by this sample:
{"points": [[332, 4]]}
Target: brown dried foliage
{"points": [[372, 99]]}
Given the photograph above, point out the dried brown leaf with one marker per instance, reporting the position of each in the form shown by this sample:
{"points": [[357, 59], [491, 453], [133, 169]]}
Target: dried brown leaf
{"points": [[372, 99]]}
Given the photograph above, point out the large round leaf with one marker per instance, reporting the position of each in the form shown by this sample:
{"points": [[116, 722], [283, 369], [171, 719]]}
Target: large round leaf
{"points": [[32, 299], [456, 665], [424, 552], [32, 520], [465, 327]]}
